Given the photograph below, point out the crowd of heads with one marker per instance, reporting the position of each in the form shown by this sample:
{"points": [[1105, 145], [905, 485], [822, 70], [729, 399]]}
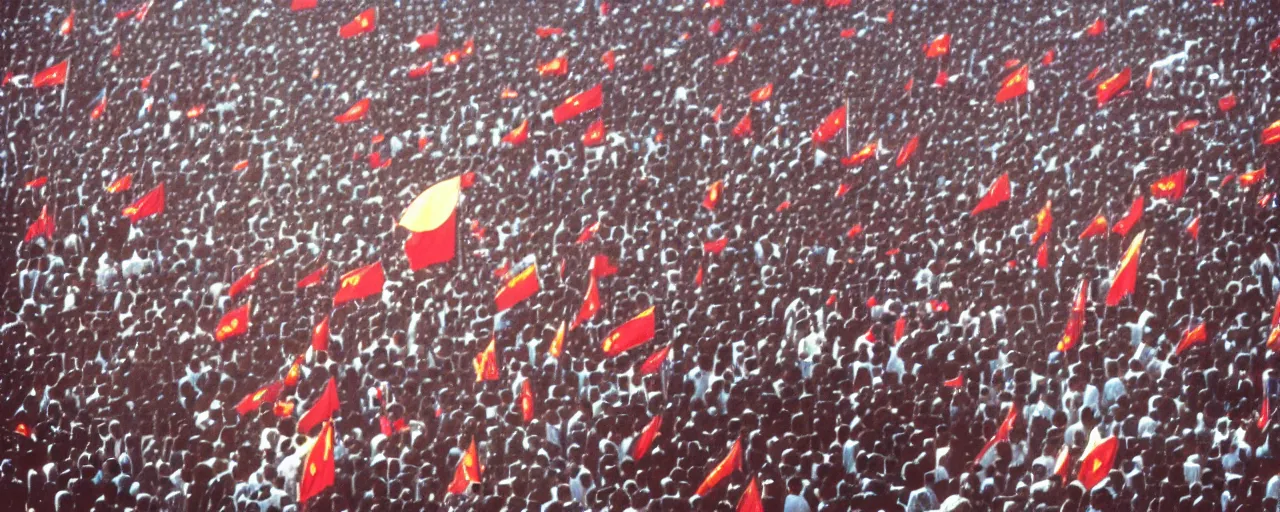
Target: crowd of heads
{"points": [[863, 335]]}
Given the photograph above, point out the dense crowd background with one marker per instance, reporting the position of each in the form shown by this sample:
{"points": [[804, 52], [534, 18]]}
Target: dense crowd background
{"points": [[785, 340]]}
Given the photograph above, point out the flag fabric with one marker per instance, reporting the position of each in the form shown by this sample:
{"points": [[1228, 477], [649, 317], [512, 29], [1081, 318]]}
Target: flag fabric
{"points": [[1126, 275], [556, 347], [1193, 228], [608, 59], [1044, 221], [588, 232], [322, 409], [1271, 134], [302, 5], [742, 129], [318, 468], [600, 266], [590, 304], [526, 401], [37, 183], [428, 40], [1170, 187], [1075, 319], [320, 336], [247, 279], [831, 126], [955, 383], [1123, 226], [121, 184], [1042, 255], [518, 135], [631, 334], [1226, 103], [432, 219], [1264, 414], [468, 471], [1002, 434], [1191, 337], [423, 70], [940, 46], [353, 113], [731, 462], [52, 75], [578, 104], [1097, 28], [68, 23], [364, 23], [653, 363], [1014, 85], [715, 246], [899, 325], [486, 362], [594, 135], [558, 66], [866, 153], [43, 226], [545, 32], [762, 94], [519, 288], [997, 193], [360, 283], [727, 59], [99, 109], [1096, 462], [295, 372], [647, 435], [1185, 126], [266, 394], [940, 80], [1097, 227], [1251, 178], [150, 204], [313, 278], [750, 500], [1062, 463], [1112, 86], [904, 154], [714, 191], [232, 324]]}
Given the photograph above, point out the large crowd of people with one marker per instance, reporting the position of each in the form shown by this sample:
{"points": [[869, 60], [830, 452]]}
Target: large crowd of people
{"points": [[865, 340]]}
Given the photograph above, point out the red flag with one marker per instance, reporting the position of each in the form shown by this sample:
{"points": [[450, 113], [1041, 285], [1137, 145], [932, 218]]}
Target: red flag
{"points": [[1048, 57], [1075, 319], [432, 218], [842, 189], [1112, 86], [362, 24], [360, 283], [195, 111], [252, 401], [354, 113], [486, 362], [713, 195], [1002, 434], [904, 154], [518, 135], [1014, 85], [1096, 462], [302, 5], [831, 126], [99, 109], [750, 500], [247, 279], [320, 336], [653, 363], [145, 83], [715, 246], [1044, 221], [588, 232], [1185, 126], [234, 323], [731, 462], [997, 193], [631, 334], [854, 230], [1062, 463], [468, 471], [608, 59], [313, 278], [318, 469], [1264, 415], [1226, 103], [545, 32], [940, 46], [955, 383], [711, 4], [911, 82], [600, 266], [1129, 221], [1126, 275], [1250, 178], [762, 94], [940, 80], [428, 40], [577, 104], [558, 66], [1097, 28], [590, 304], [743, 128], [727, 59], [322, 410], [1191, 337], [150, 204], [1042, 255], [1274, 45], [51, 76], [557, 342], [42, 226], [647, 435], [1170, 187], [899, 325], [866, 153], [422, 70], [519, 288], [121, 184], [453, 57], [295, 371], [283, 409], [595, 134], [38, 182], [68, 23], [713, 27], [526, 401], [1193, 229]]}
